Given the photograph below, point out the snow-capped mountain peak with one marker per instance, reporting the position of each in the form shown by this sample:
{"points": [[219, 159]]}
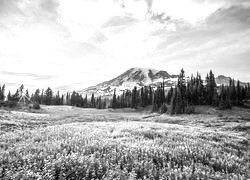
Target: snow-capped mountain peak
{"points": [[132, 77]]}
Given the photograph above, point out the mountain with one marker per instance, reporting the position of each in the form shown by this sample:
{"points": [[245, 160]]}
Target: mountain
{"points": [[140, 77], [133, 77], [221, 79]]}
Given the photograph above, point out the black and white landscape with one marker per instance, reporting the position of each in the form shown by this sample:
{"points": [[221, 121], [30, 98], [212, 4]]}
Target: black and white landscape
{"points": [[124, 89]]}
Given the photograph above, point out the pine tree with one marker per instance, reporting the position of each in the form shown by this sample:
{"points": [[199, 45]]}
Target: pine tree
{"points": [[169, 95], [210, 88], [2, 93], [232, 91], [42, 97], [163, 99], [181, 93], [182, 83], [225, 102], [143, 103], [179, 106], [134, 102], [36, 98], [85, 101], [239, 93], [173, 102], [146, 96], [9, 97], [155, 105], [150, 99], [128, 98], [93, 100], [179, 102], [27, 93], [48, 96], [57, 99], [114, 101]]}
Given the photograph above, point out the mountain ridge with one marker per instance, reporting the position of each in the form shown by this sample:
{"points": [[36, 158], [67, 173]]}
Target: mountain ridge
{"points": [[132, 77], [140, 77]]}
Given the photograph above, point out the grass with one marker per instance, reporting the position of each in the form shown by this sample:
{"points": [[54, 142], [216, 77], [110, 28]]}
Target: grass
{"points": [[73, 143]]}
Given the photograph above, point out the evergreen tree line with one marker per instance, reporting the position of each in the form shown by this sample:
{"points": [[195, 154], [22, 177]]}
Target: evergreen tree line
{"points": [[195, 92], [48, 97], [76, 99], [180, 99], [185, 95]]}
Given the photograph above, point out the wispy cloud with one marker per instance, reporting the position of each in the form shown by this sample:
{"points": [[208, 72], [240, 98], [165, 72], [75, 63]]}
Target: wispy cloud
{"points": [[28, 75]]}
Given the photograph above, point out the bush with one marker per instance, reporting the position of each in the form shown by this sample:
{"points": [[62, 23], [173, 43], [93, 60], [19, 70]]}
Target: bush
{"points": [[36, 106], [225, 104], [163, 109], [190, 110], [9, 104]]}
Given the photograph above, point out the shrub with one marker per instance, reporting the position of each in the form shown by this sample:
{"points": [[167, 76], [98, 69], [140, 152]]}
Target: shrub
{"points": [[9, 104], [190, 110], [36, 106], [225, 105], [163, 108]]}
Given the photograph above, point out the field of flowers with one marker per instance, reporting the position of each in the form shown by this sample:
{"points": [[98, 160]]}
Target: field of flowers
{"points": [[136, 146]]}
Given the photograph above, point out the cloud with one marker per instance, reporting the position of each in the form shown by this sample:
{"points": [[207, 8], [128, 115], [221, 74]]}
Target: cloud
{"points": [[9, 7], [119, 21], [221, 42], [28, 75], [234, 16], [28, 10], [79, 43]]}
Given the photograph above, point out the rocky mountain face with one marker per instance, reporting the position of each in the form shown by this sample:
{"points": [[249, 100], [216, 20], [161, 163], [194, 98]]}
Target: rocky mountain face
{"points": [[221, 79], [138, 77]]}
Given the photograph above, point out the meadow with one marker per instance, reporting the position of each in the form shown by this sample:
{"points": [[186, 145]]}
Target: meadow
{"points": [[62, 142]]}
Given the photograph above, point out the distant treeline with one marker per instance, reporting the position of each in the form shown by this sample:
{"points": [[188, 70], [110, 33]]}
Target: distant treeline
{"points": [[177, 100]]}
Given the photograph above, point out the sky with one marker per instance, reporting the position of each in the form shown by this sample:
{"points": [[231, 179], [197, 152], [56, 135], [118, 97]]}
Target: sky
{"points": [[71, 45]]}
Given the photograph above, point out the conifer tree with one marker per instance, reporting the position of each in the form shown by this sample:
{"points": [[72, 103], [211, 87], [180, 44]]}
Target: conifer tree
{"points": [[2, 92], [36, 98], [85, 101], [143, 103], [169, 95], [239, 92], [62, 99], [179, 106], [93, 100], [114, 101], [163, 99], [128, 98], [155, 105], [210, 88], [27, 93], [181, 93], [42, 97], [225, 102], [150, 99], [9, 97], [146, 96], [48, 96], [134, 102], [173, 102]]}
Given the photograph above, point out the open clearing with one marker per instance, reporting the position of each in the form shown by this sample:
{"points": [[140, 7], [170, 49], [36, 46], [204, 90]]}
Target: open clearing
{"points": [[63, 142]]}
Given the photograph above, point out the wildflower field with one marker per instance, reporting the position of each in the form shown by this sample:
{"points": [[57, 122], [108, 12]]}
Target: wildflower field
{"points": [[72, 143]]}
